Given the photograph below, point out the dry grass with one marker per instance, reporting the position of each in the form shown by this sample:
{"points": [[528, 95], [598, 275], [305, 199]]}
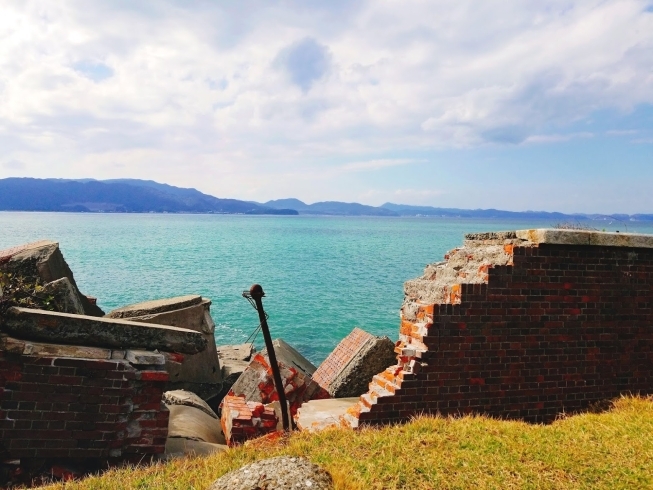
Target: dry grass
{"points": [[609, 450]]}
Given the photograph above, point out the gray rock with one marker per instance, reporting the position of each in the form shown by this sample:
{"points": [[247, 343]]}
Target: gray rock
{"points": [[64, 328], [189, 399], [43, 261], [279, 473], [67, 296]]}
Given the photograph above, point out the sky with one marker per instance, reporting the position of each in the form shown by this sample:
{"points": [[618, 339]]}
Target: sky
{"points": [[507, 104]]}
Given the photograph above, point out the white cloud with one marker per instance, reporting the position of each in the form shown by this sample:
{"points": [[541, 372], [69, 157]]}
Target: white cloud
{"points": [[193, 90]]}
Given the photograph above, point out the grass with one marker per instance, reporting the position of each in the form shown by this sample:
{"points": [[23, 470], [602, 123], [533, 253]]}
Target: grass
{"points": [[609, 450]]}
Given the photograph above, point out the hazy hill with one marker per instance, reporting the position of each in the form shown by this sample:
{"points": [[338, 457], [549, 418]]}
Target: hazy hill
{"points": [[334, 208], [126, 196]]}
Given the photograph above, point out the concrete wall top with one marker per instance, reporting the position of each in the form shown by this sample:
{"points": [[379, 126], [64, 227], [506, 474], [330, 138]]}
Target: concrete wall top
{"points": [[64, 328], [571, 237]]}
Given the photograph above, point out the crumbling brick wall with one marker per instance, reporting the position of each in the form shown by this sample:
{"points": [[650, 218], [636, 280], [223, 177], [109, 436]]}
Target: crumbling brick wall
{"points": [[80, 408], [548, 325]]}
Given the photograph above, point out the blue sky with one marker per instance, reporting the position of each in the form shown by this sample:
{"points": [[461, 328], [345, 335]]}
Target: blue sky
{"points": [[508, 104]]}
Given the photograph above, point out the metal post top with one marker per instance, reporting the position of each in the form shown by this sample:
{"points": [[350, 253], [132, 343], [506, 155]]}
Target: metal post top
{"points": [[256, 291]]}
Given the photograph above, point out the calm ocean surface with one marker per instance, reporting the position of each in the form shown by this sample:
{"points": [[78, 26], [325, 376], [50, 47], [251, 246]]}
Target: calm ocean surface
{"points": [[322, 276]]}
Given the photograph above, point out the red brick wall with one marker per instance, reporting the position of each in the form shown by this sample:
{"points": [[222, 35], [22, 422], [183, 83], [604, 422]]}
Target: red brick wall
{"points": [[563, 327], [78, 408], [340, 357]]}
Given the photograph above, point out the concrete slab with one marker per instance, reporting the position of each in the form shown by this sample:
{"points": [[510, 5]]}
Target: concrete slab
{"points": [[155, 306], [27, 348], [583, 237], [48, 326], [317, 415]]}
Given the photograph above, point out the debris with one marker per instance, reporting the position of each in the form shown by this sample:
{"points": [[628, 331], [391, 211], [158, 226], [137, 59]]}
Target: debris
{"points": [[256, 383], [189, 399], [349, 369], [242, 420], [191, 423], [316, 415]]}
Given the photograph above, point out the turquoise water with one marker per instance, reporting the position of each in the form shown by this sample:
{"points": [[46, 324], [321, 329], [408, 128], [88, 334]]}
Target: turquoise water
{"points": [[322, 276]]}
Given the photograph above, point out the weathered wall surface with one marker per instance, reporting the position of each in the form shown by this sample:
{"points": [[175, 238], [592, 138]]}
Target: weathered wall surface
{"points": [[58, 407], [522, 325]]}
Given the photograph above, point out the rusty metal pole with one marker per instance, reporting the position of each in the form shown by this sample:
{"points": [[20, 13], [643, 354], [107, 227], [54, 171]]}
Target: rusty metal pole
{"points": [[256, 292]]}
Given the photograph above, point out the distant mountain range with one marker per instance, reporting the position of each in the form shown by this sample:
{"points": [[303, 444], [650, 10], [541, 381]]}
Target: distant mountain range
{"points": [[117, 196], [143, 196]]}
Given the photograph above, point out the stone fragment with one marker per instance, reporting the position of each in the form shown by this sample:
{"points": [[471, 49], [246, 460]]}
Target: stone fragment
{"points": [[199, 373], [316, 415], [67, 295], [43, 261], [191, 423], [349, 369], [48, 326], [257, 383], [242, 420], [284, 472], [187, 398], [144, 358]]}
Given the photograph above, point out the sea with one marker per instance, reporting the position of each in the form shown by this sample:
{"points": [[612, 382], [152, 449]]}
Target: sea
{"points": [[322, 275]]}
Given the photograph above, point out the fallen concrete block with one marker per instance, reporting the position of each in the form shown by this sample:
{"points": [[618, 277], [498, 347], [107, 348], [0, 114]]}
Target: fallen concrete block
{"points": [[194, 424], [48, 326], [257, 384], [199, 373], [144, 358], [317, 415], [242, 420], [189, 399], [27, 348], [349, 369], [237, 352], [43, 261]]}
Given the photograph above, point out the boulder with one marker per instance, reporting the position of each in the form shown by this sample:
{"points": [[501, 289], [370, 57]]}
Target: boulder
{"points": [[283, 472], [349, 369], [65, 328], [256, 384], [43, 261], [191, 423], [189, 399], [199, 373]]}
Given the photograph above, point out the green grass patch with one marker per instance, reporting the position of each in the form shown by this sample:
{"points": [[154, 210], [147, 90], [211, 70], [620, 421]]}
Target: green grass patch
{"points": [[609, 450]]}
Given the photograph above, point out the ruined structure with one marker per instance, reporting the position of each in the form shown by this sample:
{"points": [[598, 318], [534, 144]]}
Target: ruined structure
{"points": [[199, 373], [522, 325]]}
